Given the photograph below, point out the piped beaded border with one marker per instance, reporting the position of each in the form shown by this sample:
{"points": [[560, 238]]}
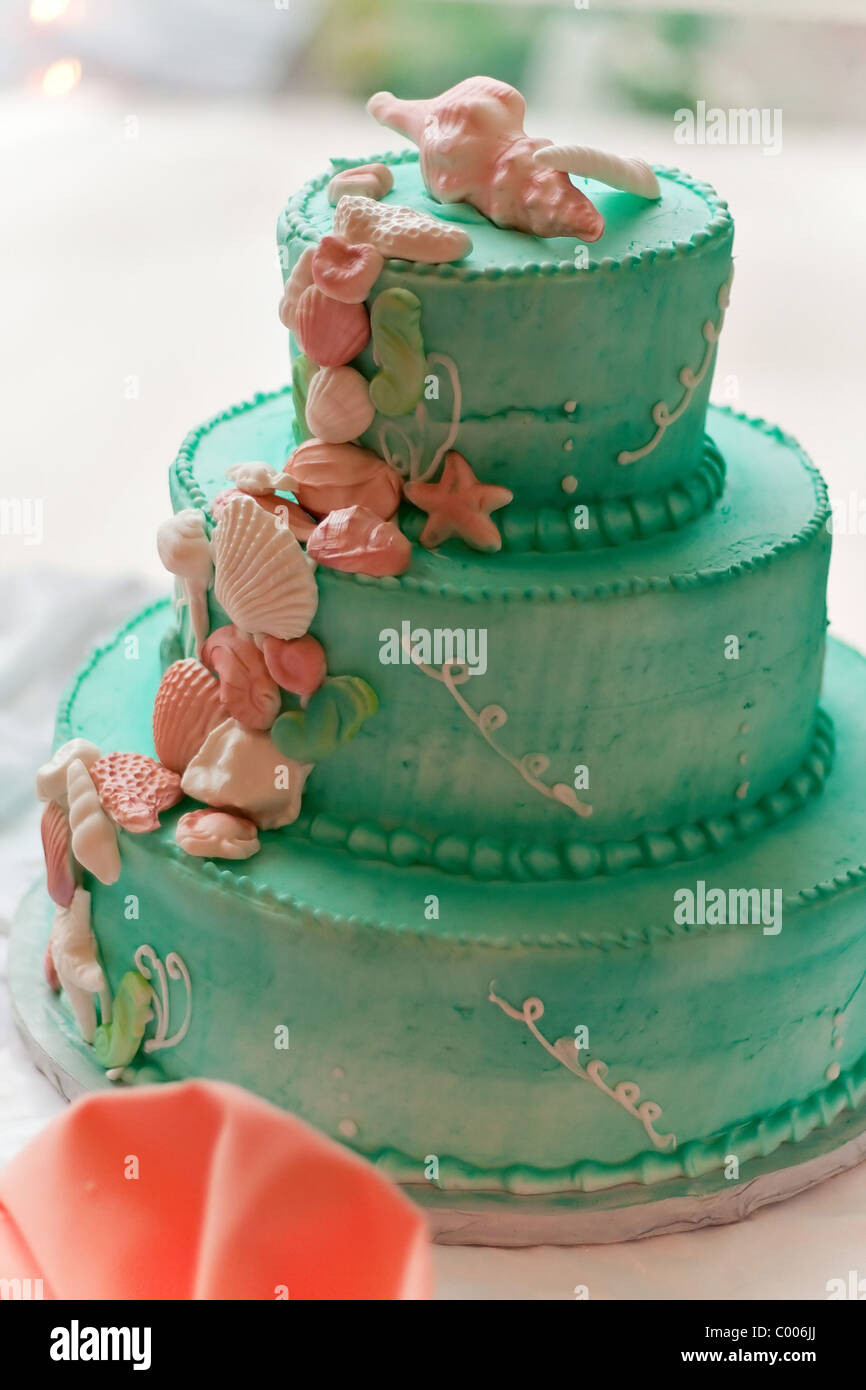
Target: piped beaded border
{"points": [[295, 222]]}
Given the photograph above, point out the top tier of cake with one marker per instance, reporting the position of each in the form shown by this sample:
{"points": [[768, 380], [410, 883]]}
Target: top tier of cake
{"points": [[583, 371]]}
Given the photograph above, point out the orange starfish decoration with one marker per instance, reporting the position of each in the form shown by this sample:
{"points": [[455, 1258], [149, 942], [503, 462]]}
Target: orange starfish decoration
{"points": [[459, 505]]}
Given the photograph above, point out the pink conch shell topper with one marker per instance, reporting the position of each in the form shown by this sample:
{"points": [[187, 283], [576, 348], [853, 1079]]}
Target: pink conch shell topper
{"points": [[473, 149]]}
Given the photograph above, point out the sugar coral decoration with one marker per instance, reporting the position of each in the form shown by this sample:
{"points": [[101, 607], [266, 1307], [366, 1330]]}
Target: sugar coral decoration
{"points": [[339, 408], [133, 789], [400, 233], [235, 1199], [243, 770], [57, 849], [326, 477], [299, 666], [246, 689], [94, 838], [287, 513], [183, 548], [211, 834], [346, 272], [73, 951], [186, 708], [51, 777], [473, 149], [300, 279], [459, 505], [329, 332], [629, 175], [360, 542], [263, 580], [368, 180]]}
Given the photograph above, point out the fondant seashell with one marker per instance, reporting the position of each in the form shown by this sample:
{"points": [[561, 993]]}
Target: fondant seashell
{"points": [[94, 838], [329, 332], [246, 690], [52, 979], [473, 149], [358, 541], [400, 233], [133, 789], [51, 777], [241, 770], [299, 666], [287, 513], [57, 849], [258, 479], [263, 580], [212, 834], [73, 951], [339, 408], [184, 549], [332, 717], [326, 477], [186, 708], [300, 279], [628, 174], [369, 180], [303, 371], [346, 272], [398, 349]]}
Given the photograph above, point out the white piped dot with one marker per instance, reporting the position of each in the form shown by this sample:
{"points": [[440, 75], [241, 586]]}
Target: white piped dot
{"points": [[348, 1129], [570, 407], [337, 1073], [743, 759], [742, 791], [569, 483], [833, 1071], [568, 445], [745, 728]]}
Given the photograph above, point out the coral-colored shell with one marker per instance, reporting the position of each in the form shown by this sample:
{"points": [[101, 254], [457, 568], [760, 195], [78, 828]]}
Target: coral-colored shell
{"points": [[133, 789], [263, 580], [326, 477], [400, 233], [369, 180], [186, 708], [211, 834], [57, 848], [300, 279], [339, 408], [242, 770], [52, 979], [360, 542], [299, 666], [94, 838], [346, 272], [330, 333], [299, 522], [51, 777], [246, 690]]}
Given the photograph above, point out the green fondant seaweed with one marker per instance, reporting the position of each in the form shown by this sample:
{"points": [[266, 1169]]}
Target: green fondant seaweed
{"points": [[398, 349], [332, 717]]}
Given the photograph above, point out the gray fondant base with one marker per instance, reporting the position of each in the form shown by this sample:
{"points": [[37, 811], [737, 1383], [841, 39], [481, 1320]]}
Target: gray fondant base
{"points": [[628, 1212]]}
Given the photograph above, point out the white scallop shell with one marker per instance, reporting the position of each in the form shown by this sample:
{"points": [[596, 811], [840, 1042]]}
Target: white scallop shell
{"points": [[94, 838], [400, 232], [51, 777], [339, 408], [263, 579]]}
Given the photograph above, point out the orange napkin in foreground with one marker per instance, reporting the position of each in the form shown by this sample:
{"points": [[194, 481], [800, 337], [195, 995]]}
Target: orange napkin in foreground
{"points": [[199, 1190]]}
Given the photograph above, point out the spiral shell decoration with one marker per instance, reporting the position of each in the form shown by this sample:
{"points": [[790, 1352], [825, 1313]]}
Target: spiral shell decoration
{"points": [[263, 580], [339, 408], [629, 175], [369, 180], [329, 332], [400, 233], [76, 964], [242, 770], [94, 839], [133, 789], [51, 777], [57, 849], [184, 549], [326, 477], [299, 666], [246, 690], [210, 834], [358, 541], [300, 279], [186, 708], [344, 271]]}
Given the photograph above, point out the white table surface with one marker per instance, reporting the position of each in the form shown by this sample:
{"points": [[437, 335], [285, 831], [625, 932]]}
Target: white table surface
{"points": [[143, 264]]}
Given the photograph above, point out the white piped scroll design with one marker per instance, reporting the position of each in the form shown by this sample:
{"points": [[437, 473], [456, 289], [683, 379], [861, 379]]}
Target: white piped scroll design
{"points": [[148, 963], [490, 719], [408, 459], [625, 1093], [690, 380]]}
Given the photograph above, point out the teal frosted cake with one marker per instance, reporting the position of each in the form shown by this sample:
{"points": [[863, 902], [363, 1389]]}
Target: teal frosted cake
{"points": [[474, 798]]}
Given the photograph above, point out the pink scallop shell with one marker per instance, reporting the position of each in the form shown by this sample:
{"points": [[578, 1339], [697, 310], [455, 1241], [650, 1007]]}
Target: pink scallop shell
{"points": [[299, 522], [186, 708], [299, 665], [134, 789], [330, 333], [344, 272], [211, 834], [358, 541], [246, 690], [57, 848], [326, 477]]}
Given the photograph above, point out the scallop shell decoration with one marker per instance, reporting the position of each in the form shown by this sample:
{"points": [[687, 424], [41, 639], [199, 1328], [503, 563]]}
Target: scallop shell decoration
{"points": [[57, 848], [400, 233], [133, 789], [339, 408], [263, 579], [94, 838], [288, 513], [330, 332], [210, 834], [370, 180], [51, 777], [186, 708]]}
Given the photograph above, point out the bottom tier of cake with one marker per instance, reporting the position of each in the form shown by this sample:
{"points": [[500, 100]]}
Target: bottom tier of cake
{"points": [[636, 1036]]}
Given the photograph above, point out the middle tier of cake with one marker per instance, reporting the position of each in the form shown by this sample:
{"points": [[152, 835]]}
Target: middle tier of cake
{"points": [[633, 705]]}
